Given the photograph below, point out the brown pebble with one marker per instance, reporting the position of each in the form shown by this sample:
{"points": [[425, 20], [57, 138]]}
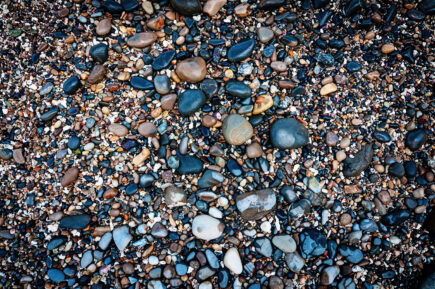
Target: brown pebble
{"points": [[387, 48], [192, 69], [168, 101], [254, 150], [103, 27], [345, 219], [147, 129], [208, 121], [70, 177]]}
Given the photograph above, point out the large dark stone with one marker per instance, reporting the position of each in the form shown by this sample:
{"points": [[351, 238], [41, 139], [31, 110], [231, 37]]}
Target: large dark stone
{"points": [[187, 7], [71, 85], [99, 52], [141, 83], [77, 222], [361, 161], [191, 101], [416, 139], [312, 243], [241, 50], [189, 164], [288, 133]]}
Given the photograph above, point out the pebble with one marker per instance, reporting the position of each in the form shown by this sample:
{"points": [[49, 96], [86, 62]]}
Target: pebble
{"points": [[241, 50], [255, 205], [99, 52], [285, 243], [141, 40], [192, 69], [236, 129], [361, 161], [328, 89], [265, 34], [232, 261], [187, 7], [70, 177], [118, 129], [191, 101], [207, 228], [238, 89], [388, 48], [212, 7], [72, 85], [147, 129], [288, 133], [121, 237], [103, 27]]}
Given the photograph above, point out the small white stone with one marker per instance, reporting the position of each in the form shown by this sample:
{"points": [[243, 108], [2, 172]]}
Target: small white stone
{"points": [[232, 261], [214, 212]]}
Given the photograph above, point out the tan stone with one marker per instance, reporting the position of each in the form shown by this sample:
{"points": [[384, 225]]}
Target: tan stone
{"points": [[212, 7], [192, 69], [329, 88], [263, 103]]}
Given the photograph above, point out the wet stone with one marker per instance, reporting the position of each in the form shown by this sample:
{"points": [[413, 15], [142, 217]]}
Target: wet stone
{"points": [[192, 69], [72, 85], [241, 50], [206, 227], [141, 40], [189, 165], [191, 101], [257, 204], [263, 246], [77, 222], [396, 169], [147, 129], [238, 89], [288, 133], [265, 34], [295, 262], [416, 139], [187, 7], [162, 84], [141, 83], [285, 243], [209, 87], [312, 243], [163, 60], [118, 129], [70, 177], [56, 275], [361, 160], [99, 52], [236, 129], [210, 178], [121, 237], [351, 254], [103, 27]]}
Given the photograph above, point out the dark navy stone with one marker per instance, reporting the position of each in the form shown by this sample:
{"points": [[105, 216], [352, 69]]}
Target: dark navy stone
{"points": [[112, 6], [271, 4], [288, 133], [290, 40], [209, 87], [187, 7], [415, 139], [337, 43], [141, 83], [100, 52], [50, 114], [368, 225], [396, 169], [163, 60], [190, 101], [326, 59], [189, 164], [353, 66], [353, 7], [6, 154], [56, 242], [129, 5], [71, 85], [241, 50], [382, 136], [396, 217], [77, 222], [410, 168], [131, 189], [238, 89]]}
